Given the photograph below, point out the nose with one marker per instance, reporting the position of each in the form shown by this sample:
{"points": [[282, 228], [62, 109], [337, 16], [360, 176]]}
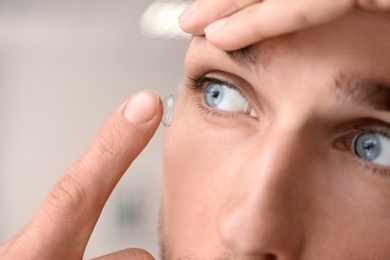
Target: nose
{"points": [[263, 217]]}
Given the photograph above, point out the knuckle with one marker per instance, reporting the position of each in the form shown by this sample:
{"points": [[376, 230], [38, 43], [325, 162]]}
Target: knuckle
{"points": [[67, 197]]}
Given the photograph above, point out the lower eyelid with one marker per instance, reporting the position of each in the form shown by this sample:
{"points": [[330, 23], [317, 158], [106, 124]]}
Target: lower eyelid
{"points": [[221, 117], [372, 167], [207, 111]]}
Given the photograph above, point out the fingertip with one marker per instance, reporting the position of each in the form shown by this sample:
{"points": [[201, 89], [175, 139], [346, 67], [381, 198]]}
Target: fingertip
{"points": [[185, 16], [187, 22], [217, 34], [196, 17], [225, 41], [142, 107], [233, 33], [192, 26], [215, 26]]}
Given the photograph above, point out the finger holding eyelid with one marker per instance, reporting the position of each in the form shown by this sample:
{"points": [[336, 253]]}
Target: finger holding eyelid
{"points": [[201, 13], [272, 18]]}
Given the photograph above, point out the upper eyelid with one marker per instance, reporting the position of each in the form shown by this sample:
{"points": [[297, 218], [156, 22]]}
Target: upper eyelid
{"points": [[207, 79], [371, 125]]}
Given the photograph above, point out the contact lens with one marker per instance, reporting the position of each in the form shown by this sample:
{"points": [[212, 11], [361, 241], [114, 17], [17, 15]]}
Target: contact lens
{"points": [[168, 105]]}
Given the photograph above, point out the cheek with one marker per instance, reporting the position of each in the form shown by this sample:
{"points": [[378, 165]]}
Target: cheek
{"points": [[346, 215], [199, 156], [198, 168]]}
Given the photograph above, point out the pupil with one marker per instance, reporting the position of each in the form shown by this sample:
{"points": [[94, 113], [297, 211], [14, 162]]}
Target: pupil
{"points": [[369, 146], [214, 94]]}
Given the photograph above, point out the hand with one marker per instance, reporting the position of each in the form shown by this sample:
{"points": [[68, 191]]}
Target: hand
{"points": [[62, 227], [234, 24]]}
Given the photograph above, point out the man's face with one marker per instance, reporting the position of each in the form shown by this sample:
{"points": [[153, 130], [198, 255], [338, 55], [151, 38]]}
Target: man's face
{"points": [[282, 150]]}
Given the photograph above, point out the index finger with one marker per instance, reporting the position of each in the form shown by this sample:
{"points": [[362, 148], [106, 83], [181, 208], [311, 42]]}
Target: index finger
{"points": [[63, 225]]}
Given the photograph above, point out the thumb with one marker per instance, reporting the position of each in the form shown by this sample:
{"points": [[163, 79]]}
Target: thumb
{"points": [[62, 227]]}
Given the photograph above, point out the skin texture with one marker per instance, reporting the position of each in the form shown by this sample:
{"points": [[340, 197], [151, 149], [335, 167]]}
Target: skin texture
{"points": [[233, 24], [286, 183]]}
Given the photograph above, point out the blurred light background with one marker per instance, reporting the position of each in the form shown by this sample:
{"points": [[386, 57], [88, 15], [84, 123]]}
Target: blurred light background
{"points": [[65, 66]]}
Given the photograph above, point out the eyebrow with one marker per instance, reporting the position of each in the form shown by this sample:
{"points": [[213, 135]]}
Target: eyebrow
{"points": [[374, 93], [249, 57]]}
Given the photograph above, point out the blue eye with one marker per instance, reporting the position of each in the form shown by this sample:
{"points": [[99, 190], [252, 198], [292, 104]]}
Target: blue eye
{"points": [[373, 147], [226, 98]]}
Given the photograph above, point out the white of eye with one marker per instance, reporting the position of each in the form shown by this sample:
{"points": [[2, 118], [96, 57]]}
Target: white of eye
{"points": [[373, 147], [226, 98]]}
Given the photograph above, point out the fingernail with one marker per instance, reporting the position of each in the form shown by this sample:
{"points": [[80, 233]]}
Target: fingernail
{"points": [[189, 11], [142, 107], [215, 26]]}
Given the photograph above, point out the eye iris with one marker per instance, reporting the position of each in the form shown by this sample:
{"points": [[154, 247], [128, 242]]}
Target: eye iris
{"points": [[214, 94], [368, 146]]}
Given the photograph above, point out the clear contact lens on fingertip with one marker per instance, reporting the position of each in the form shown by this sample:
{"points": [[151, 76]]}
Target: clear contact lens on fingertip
{"points": [[168, 105]]}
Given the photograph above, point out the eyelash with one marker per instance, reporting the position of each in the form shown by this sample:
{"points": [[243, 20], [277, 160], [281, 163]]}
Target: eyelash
{"points": [[347, 143], [198, 83]]}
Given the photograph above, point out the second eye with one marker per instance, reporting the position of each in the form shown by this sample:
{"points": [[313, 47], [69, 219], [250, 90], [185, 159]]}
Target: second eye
{"points": [[226, 98], [373, 147]]}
